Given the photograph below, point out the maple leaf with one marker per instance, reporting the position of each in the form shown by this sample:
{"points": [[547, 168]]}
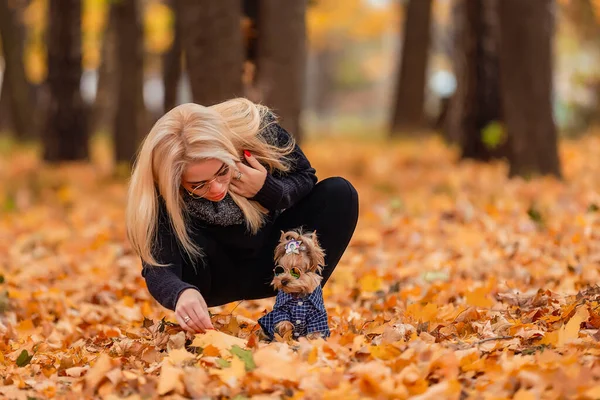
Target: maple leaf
{"points": [[98, 372], [170, 380], [219, 340], [232, 373]]}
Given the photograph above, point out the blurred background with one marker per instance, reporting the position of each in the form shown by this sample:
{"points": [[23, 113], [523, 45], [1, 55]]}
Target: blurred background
{"points": [[474, 72]]}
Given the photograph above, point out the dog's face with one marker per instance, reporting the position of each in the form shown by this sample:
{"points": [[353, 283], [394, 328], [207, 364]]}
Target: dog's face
{"points": [[299, 260]]}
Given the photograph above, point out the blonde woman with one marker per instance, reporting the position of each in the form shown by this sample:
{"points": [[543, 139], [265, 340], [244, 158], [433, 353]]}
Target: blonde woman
{"points": [[211, 190]]}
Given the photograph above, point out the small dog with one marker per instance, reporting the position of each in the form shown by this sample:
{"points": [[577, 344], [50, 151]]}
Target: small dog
{"points": [[299, 307]]}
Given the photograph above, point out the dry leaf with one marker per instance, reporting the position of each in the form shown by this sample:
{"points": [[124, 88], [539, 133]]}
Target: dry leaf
{"points": [[220, 340], [170, 380]]}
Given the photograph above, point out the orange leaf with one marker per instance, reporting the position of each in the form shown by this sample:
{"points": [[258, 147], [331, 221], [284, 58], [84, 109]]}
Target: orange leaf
{"points": [[478, 297]]}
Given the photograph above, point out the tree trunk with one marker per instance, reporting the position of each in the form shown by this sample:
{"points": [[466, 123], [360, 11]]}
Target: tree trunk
{"points": [[213, 47], [65, 137], [18, 90], [130, 117], [281, 60], [476, 102], [104, 109], [172, 61], [5, 117], [526, 29], [408, 112]]}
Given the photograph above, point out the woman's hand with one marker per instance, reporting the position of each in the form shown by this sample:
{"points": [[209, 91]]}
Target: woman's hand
{"points": [[191, 304], [252, 177]]}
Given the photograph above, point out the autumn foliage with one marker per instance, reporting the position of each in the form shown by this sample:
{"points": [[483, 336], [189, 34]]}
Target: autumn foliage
{"points": [[458, 282]]}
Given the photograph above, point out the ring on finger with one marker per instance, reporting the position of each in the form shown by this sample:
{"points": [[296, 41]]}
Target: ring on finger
{"points": [[238, 177], [186, 318]]}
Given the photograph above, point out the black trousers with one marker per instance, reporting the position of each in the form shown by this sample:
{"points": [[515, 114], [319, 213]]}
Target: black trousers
{"points": [[239, 266]]}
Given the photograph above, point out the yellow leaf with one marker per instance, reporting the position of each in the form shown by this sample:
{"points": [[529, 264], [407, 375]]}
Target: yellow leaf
{"points": [[220, 340], [478, 297], [593, 392], [129, 301], [313, 355], [177, 356], [523, 394], [425, 314], [277, 364], [18, 295], [158, 22], [98, 372], [370, 283], [25, 325], [231, 375], [170, 379], [570, 330], [146, 309], [385, 352], [550, 338]]}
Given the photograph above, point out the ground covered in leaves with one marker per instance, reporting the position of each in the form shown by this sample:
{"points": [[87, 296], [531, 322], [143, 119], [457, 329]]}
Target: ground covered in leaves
{"points": [[459, 283]]}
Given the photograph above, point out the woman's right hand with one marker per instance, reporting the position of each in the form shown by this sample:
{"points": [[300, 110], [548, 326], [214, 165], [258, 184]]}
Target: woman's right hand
{"points": [[192, 304]]}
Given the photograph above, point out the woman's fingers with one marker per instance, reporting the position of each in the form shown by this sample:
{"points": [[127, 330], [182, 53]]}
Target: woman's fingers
{"points": [[253, 161], [194, 322], [202, 317], [183, 324]]}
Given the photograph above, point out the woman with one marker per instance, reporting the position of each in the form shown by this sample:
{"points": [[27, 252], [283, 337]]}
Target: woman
{"points": [[211, 190]]}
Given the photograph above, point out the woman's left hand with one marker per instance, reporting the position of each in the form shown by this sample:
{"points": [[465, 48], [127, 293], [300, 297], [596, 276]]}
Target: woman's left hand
{"points": [[252, 177]]}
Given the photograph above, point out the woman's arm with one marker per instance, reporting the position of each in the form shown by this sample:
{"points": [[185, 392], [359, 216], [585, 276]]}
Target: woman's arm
{"points": [[165, 284], [282, 190]]}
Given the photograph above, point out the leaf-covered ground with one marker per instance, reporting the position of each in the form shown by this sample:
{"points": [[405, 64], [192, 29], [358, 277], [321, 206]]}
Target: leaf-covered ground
{"points": [[458, 283]]}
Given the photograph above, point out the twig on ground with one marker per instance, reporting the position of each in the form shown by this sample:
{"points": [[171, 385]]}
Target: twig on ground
{"points": [[495, 338]]}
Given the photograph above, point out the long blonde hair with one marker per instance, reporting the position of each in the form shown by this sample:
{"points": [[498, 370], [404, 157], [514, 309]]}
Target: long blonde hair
{"points": [[189, 133]]}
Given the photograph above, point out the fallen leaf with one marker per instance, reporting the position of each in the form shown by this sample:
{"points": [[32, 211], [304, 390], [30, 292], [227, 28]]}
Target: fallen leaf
{"points": [[170, 380], [98, 372], [220, 340], [232, 374]]}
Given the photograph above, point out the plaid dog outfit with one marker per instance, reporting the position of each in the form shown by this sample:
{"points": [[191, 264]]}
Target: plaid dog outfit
{"points": [[307, 314]]}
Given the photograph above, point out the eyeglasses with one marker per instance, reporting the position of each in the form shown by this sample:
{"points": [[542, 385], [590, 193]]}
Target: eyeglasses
{"points": [[280, 270], [203, 188]]}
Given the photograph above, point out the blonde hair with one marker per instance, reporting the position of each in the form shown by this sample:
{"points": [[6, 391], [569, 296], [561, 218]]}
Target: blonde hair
{"points": [[189, 133]]}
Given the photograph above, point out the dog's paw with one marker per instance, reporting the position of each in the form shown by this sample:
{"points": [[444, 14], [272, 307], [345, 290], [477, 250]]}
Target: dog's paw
{"points": [[314, 335], [262, 336], [284, 328]]}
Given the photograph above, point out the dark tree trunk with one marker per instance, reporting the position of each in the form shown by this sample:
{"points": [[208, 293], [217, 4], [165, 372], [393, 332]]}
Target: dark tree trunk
{"points": [[476, 102], [18, 92], [326, 65], [65, 137], [281, 60], [103, 112], [5, 117], [526, 29], [212, 42], [408, 111], [130, 117], [172, 61]]}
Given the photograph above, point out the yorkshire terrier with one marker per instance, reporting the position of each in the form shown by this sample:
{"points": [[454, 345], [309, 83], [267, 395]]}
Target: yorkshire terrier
{"points": [[299, 309]]}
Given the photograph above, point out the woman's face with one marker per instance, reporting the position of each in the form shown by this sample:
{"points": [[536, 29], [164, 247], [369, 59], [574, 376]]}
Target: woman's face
{"points": [[208, 178]]}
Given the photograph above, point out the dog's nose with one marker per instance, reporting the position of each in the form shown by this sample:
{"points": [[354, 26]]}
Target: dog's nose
{"points": [[285, 282]]}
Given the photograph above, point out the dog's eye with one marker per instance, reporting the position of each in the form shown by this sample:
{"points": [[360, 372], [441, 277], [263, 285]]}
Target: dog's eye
{"points": [[279, 270], [295, 272]]}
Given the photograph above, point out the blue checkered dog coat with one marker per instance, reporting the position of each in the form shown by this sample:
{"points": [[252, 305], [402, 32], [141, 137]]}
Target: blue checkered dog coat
{"points": [[307, 314]]}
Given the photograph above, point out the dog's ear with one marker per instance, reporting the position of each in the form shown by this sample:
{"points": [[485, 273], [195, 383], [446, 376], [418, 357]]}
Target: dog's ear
{"points": [[315, 252], [313, 236], [282, 237], [287, 236]]}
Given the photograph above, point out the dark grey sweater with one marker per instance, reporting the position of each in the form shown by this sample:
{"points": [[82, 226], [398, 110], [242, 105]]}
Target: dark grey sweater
{"points": [[280, 191]]}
